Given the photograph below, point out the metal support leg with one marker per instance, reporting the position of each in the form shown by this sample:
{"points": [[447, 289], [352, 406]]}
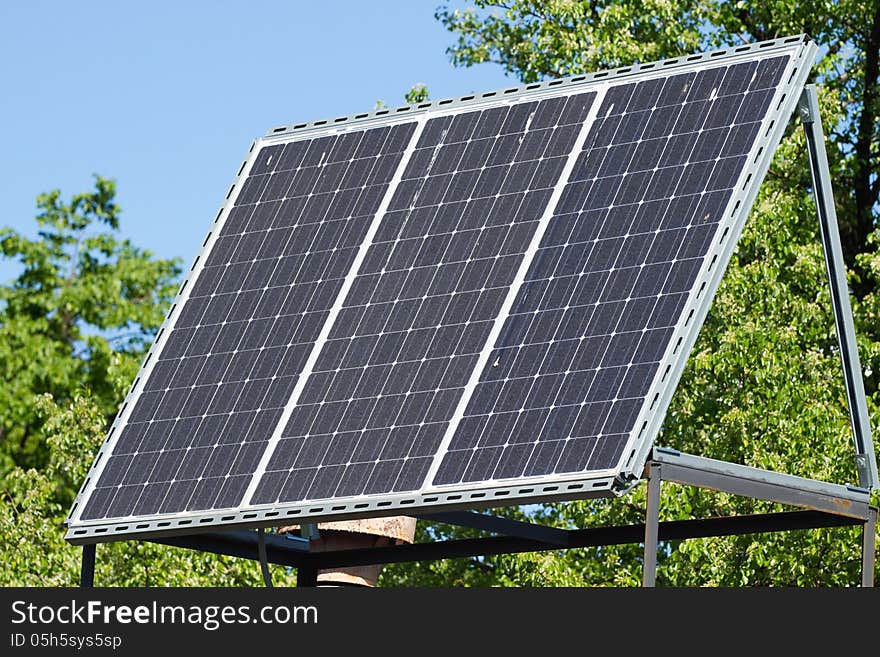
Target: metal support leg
{"points": [[87, 570], [652, 520], [264, 560], [869, 530], [307, 574], [808, 108]]}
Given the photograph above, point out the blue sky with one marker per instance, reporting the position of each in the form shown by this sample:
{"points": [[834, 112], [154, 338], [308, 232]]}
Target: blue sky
{"points": [[166, 97]]}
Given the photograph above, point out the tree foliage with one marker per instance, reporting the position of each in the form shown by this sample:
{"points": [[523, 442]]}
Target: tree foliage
{"points": [[417, 94], [74, 326], [78, 315], [763, 386]]}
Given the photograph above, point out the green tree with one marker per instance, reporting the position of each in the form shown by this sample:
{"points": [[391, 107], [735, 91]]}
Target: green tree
{"points": [[763, 385], [74, 327], [79, 314], [417, 94]]}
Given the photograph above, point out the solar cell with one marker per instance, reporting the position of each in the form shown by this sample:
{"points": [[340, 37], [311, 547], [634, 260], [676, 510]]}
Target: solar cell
{"points": [[493, 297]]}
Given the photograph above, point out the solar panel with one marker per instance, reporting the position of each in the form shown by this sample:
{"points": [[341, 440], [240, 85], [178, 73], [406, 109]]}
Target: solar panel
{"points": [[448, 304], [599, 304]]}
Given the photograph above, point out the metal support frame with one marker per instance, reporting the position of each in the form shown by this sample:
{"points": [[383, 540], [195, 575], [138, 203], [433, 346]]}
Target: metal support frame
{"points": [[652, 522], [575, 538], [307, 573], [835, 500], [869, 531], [87, 567], [808, 108]]}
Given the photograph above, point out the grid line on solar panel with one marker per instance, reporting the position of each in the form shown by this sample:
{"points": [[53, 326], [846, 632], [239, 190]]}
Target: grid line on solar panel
{"points": [[218, 388], [375, 409], [598, 308]]}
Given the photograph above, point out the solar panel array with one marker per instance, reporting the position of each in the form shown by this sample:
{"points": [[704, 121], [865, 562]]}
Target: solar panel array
{"points": [[482, 294]]}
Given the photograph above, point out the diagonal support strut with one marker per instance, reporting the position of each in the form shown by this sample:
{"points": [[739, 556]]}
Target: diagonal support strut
{"points": [[808, 108]]}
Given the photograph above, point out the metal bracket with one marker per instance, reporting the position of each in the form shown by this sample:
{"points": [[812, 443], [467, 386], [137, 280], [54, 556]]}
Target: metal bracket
{"points": [[866, 463], [309, 531]]}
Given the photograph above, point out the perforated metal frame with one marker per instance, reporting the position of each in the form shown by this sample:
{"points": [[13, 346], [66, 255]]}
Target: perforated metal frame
{"points": [[535, 489]]}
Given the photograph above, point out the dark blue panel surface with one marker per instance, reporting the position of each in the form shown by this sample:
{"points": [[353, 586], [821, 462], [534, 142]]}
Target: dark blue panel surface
{"points": [[596, 312], [216, 393], [371, 417]]}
